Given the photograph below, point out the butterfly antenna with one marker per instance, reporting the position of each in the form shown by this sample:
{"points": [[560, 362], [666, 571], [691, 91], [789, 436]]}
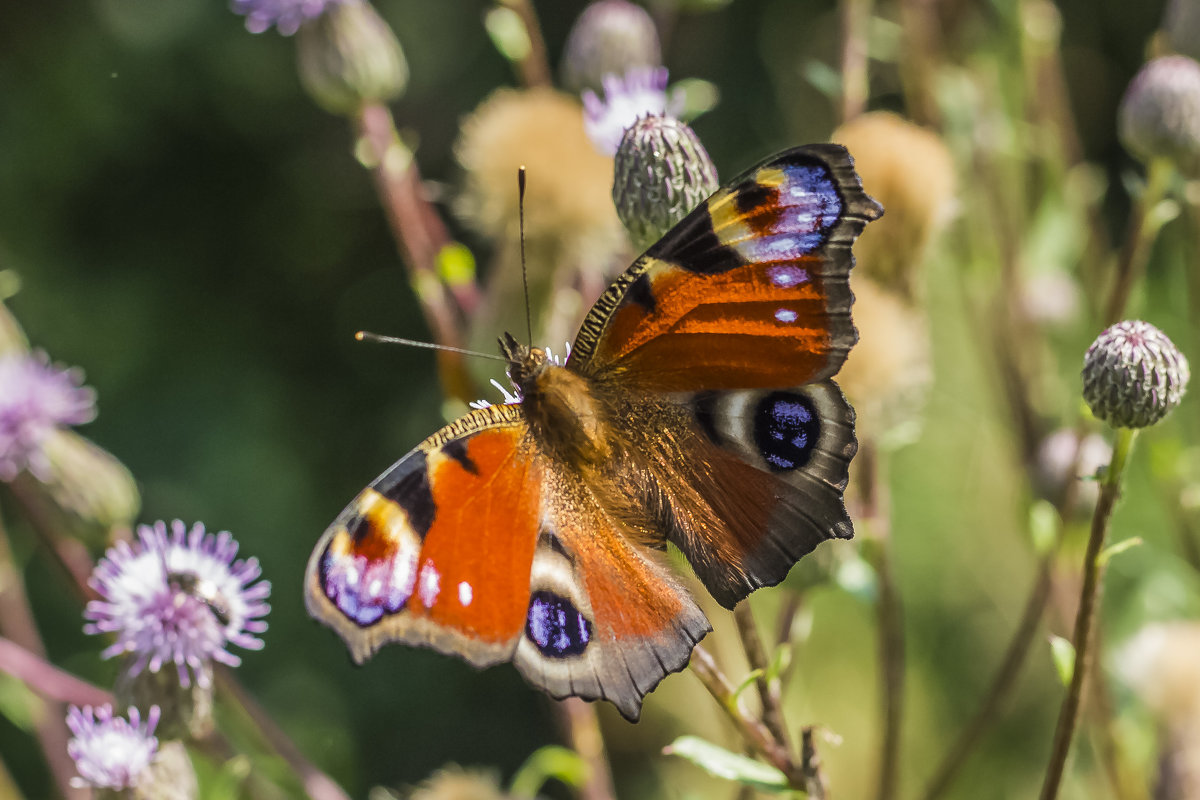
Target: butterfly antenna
{"points": [[524, 271], [366, 336]]}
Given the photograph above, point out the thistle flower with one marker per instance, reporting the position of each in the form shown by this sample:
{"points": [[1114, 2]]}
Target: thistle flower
{"points": [[286, 16], [661, 172], [1133, 375], [37, 398], [640, 93], [1159, 116], [349, 57], [110, 752], [911, 172], [178, 598], [610, 37]]}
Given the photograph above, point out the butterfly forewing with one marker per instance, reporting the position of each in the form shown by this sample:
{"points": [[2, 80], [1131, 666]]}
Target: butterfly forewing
{"points": [[749, 291]]}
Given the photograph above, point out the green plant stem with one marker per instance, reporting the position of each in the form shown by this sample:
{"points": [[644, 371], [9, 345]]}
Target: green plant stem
{"points": [[1085, 619], [757, 735], [1143, 228], [756, 655]]}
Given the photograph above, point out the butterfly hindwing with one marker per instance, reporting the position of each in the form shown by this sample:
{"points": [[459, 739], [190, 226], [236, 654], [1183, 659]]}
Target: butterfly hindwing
{"points": [[438, 550], [776, 463], [606, 620], [750, 290]]}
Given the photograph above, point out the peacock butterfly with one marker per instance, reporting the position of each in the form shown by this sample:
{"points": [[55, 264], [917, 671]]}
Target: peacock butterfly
{"points": [[696, 407]]}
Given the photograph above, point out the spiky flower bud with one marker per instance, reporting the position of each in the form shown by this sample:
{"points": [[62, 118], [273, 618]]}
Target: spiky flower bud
{"points": [[1133, 375], [609, 37], [661, 172], [348, 57], [1159, 116]]}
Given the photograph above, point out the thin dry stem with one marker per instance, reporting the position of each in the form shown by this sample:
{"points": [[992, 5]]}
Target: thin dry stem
{"points": [[47, 680], [1086, 617], [769, 691], [810, 764], [420, 235], [756, 734], [534, 68], [855, 17]]}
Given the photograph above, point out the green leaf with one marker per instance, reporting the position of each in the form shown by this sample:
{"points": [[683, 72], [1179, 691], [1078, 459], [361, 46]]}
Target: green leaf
{"points": [[824, 78], [699, 96], [1063, 653], [18, 704], [1117, 549], [551, 761], [718, 761], [508, 33]]}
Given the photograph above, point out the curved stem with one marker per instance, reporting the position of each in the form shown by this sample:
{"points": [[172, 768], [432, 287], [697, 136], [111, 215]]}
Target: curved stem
{"points": [[1085, 619], [1143, 228], [756, 656], [756, 734]]}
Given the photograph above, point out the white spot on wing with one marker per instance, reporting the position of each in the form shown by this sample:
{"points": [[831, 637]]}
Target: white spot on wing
{"points": [[429, 584], [465, 595], [786, 275], [786, 315]]}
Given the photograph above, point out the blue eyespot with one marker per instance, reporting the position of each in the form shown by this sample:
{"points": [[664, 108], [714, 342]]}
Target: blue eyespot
{"points": [[786, 430], [556, 627]]}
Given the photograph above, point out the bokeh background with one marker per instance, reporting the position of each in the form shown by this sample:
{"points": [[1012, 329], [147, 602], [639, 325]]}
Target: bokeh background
{"points": [[179, 219]]}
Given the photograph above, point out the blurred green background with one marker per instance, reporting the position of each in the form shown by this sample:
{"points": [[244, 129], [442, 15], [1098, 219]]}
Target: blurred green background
{"points": [[195, 234]]}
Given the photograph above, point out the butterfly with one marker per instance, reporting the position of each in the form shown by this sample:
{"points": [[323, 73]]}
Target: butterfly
{"points": [[696, 407]]}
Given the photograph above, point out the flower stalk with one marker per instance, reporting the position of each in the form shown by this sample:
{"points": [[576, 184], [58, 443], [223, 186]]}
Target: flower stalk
{"points": [[1144, 225], [1085, 620]]}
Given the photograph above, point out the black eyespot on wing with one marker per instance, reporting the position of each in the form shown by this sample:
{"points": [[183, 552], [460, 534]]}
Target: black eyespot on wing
{"points": [[641, 293], [408, 487], [457, 449], [695, 246], [556, 627], [786, 430]]}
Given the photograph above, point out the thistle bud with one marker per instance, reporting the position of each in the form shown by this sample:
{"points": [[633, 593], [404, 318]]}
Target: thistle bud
{"points": [[609, 37], [661, 172], [1159, 116], [348, 57], [1133, 375]]}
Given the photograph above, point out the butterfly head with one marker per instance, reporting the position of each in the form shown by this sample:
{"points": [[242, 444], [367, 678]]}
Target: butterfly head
{"points": [[525, 363]]}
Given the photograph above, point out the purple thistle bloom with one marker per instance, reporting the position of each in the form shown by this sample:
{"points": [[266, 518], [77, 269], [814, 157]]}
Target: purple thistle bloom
{"points": [[35, 398], [285, 15], [110, 752], [642, 92], [178, 599]]}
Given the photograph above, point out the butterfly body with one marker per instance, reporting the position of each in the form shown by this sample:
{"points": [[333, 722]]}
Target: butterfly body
{"points": [[695, 409]]}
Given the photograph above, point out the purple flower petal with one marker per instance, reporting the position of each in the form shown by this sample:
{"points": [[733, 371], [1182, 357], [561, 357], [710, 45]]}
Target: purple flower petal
{"points": [[178, 598]]}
